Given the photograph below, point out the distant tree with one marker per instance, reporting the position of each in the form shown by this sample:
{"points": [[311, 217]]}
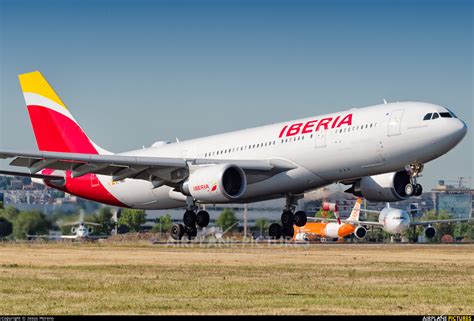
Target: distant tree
{"points": [[133, 219], [30, 223], [6, 227], [10, 213], [324, 214], [226, 219], [105, 218], [1, 205], [464, 231], [163, 225], [261, 224]]}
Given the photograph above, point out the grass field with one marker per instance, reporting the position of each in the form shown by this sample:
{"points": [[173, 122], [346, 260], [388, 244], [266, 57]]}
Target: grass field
{"points": [[263, 279]]}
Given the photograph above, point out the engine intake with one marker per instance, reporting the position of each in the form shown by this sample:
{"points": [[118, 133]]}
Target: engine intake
{"points": [[430, 232], [389, 187], [360, 232], [216, 183]]}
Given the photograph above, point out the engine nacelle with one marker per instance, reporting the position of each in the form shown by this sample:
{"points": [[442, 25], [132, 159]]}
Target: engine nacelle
{"points": [[389, 187], [360, 232], [216, 183], [73, 230], [430, 232]]}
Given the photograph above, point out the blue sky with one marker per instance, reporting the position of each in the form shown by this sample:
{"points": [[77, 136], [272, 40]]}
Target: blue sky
{"points": [[135, 72]]}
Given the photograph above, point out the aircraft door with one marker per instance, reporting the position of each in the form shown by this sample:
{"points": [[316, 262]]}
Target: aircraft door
{"points": [[320, 139], [395, 122]]}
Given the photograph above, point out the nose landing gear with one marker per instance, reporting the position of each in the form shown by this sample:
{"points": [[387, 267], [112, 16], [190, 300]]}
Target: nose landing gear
{"points": [[413, 188]]}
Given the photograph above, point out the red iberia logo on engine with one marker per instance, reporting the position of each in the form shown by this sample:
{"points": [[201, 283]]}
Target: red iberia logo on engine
{"points": [[200, 187], [206, 187]]}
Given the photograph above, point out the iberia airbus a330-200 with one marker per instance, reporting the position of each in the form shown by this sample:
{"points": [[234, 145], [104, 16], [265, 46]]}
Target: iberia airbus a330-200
{"points": [[378, 151]]}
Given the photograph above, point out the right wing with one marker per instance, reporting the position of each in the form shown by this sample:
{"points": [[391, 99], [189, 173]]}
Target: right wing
{"points": [[449, 220], [159, 170], [319, 219]]}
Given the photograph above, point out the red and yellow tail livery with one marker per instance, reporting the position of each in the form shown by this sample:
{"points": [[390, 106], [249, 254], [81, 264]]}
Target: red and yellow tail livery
{"points": [[54, 127]]}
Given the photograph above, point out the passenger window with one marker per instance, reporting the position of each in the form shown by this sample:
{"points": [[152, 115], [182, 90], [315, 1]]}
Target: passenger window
{"points": [[435, 115], [427, 116], [445, 115]]}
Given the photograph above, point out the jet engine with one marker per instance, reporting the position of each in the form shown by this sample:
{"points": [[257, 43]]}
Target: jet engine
{"points": [[215, 183], [90, 230], [73, 230], [360, 232], [389, 187], [430, 232]]}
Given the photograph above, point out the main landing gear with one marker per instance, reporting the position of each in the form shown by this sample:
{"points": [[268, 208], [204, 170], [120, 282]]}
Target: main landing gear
{"points": [[413, 188], [288, 219], [190, 220]]}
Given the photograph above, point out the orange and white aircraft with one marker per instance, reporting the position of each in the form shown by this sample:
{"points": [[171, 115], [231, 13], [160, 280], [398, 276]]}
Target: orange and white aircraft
{"points": [[332, 230], [377, 150]]}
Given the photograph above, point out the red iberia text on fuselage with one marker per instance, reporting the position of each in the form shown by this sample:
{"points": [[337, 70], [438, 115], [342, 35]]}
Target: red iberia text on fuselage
{"points": [[315, 125]]}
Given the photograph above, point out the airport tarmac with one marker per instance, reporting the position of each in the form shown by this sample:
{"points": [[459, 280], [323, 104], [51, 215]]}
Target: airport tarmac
{"points": [[142, 278]]}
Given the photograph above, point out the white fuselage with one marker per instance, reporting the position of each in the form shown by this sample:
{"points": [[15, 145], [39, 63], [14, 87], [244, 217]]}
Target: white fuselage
{"points": [[323, 149], [394, 220]]}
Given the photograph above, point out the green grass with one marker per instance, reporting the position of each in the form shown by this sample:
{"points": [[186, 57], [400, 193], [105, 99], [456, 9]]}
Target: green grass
{"points": [[320, 279]]}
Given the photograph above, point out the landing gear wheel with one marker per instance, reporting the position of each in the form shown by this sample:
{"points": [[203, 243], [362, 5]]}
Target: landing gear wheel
{"points": [[287, 218], [202, 219], [418, 190], [409, 189], [300, 218], [287, 232], [177, 231], [274, 231], [189, 218], [191, 232]]}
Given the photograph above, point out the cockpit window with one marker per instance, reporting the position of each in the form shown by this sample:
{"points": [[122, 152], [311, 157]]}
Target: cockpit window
{"points": [[427, 116], [445, 115], [435, 115]]}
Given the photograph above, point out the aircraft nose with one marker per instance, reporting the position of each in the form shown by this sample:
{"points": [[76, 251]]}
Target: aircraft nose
{"points": [[458, 130]]}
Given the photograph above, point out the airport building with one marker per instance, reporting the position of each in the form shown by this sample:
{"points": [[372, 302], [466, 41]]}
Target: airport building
{"points": [[457, 200]]}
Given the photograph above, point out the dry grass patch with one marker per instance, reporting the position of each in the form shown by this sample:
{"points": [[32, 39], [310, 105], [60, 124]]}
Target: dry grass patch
{"points": [[270, 279]]}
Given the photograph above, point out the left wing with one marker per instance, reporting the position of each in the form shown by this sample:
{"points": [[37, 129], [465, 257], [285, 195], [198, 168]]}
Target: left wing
{"points": [[159, 170], [451, 220]]}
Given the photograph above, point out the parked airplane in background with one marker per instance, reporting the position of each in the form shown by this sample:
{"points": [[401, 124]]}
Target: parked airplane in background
{"points": [[81, 230], [396, 222], [332, 230], [378, 150]]}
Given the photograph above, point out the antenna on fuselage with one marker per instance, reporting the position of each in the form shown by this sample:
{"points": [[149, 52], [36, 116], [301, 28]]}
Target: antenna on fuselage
{"points": [[384, 101]]}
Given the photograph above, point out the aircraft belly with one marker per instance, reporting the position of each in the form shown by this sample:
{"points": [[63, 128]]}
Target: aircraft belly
{"points": [[297, 180], [140, 193]]}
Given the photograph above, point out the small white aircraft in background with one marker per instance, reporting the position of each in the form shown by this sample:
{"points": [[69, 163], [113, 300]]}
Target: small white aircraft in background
{"points": [[81, 230], [396, 221]]}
